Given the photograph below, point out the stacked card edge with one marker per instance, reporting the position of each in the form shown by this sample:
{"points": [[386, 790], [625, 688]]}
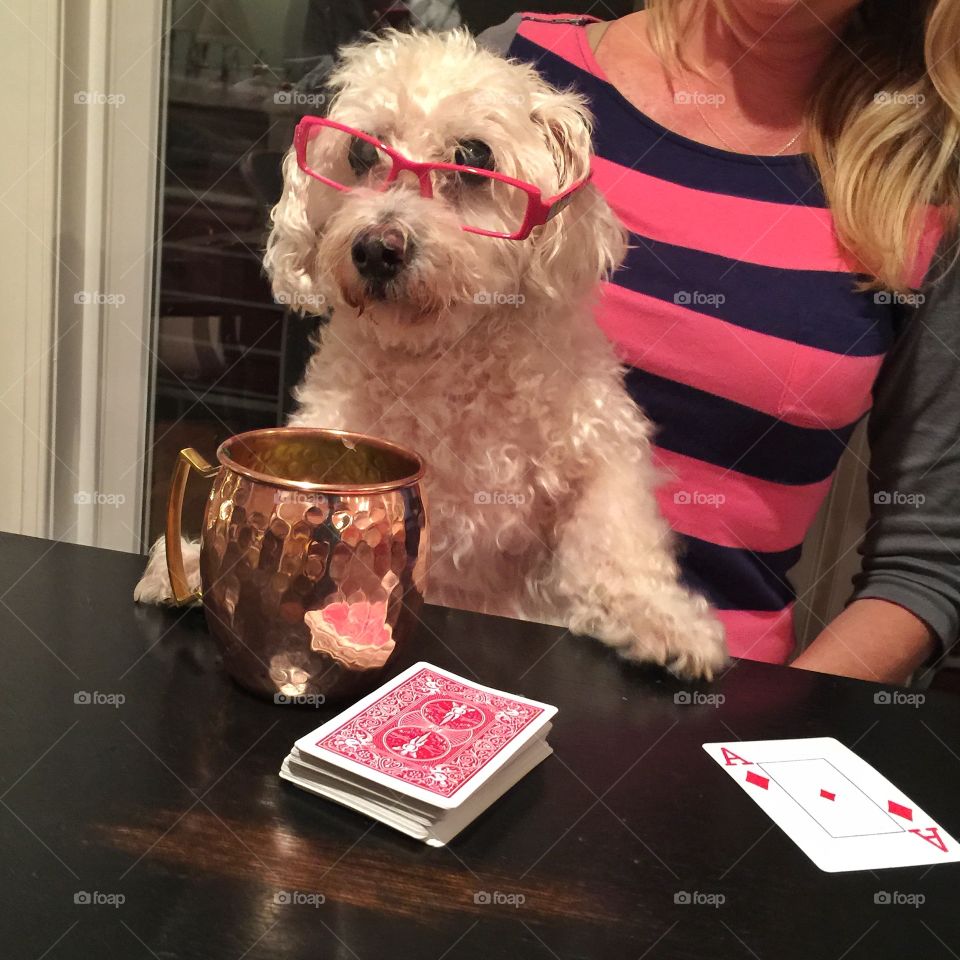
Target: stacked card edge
{"points": [[383, 805]]}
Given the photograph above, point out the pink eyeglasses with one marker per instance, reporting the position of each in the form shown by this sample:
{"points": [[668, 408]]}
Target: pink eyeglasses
{"points": [[489, 203]]}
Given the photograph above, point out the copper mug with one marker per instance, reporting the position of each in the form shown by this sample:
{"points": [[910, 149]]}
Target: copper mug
{"points": [[313, 558]]}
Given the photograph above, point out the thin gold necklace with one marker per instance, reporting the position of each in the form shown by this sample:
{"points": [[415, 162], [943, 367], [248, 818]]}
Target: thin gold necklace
{"points": [[733, 149]]}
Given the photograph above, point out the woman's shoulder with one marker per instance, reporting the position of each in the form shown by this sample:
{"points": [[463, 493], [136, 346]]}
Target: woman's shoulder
{"points": [[497, 39], [558, 33]]}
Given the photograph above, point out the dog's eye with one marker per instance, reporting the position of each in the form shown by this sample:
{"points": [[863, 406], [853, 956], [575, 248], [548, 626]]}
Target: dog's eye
{"points": [[363, 156], [474, 153]]}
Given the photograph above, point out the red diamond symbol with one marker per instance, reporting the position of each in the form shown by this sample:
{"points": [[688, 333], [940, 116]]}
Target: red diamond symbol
{"points": [[827, 795], [900, 810], [757, 780]]}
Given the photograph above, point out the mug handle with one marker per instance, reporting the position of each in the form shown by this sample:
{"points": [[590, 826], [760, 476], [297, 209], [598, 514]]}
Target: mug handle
{"points": [[187, 459]]}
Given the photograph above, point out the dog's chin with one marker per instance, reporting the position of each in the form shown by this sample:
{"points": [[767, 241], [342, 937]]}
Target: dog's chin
{"points": [[397, 315], [401, 302], [389, 300]]}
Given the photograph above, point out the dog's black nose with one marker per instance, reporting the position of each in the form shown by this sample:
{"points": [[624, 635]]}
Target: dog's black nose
{"points": [[380, 254]]}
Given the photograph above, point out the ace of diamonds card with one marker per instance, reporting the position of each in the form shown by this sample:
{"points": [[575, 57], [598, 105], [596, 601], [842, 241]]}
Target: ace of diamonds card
{"points": [[838, 809]]}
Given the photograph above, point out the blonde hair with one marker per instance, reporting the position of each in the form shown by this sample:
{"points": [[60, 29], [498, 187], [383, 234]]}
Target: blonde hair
{"points": [[883, 125]]}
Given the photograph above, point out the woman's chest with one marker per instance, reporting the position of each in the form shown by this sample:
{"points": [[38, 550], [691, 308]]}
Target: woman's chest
{"points": [[799, 345]]}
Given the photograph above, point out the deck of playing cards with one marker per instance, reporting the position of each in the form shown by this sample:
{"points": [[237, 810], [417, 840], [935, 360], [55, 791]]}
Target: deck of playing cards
{"points": [[425, 753]]}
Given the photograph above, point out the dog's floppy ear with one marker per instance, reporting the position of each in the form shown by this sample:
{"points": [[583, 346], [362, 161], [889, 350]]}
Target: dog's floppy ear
{"points": [[291, 246], [564, 121], [585, 241]]}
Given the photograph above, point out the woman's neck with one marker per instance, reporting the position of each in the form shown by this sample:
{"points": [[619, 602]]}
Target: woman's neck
{"points": [[765, 55], [759, 69]]}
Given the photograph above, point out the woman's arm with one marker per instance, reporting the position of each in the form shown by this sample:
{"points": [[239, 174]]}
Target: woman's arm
{"points": [[871, 640], [905, 607]]}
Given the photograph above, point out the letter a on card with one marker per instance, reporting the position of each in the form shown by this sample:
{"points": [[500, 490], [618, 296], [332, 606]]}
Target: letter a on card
{"points": [[730, 758], [932, 835]]}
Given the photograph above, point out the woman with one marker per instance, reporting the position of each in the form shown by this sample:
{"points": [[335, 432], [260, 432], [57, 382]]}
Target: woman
{"points": [[790, 173]]}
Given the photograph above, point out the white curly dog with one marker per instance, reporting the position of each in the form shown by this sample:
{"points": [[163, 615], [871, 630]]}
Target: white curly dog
{"points": [[478, 351]]}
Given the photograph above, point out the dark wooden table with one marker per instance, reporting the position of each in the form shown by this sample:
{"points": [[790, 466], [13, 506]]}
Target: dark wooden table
{"points": [[166, 813]]}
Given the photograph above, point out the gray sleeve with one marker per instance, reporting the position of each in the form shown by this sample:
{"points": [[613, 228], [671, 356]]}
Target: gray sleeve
{"points": [[911, 552], [498, 38]]}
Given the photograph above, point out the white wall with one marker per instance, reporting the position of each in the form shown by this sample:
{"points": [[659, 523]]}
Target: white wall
{"points": [[29, 104]]}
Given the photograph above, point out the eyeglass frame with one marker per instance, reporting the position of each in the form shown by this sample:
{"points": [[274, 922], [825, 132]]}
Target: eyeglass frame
{"points": [[539, 209]]}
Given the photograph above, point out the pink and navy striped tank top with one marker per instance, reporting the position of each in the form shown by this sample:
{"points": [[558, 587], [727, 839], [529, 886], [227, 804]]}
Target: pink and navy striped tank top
{"points": [[742, 333]]}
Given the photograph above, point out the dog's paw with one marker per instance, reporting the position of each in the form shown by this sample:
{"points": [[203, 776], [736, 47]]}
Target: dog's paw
{"points": [[154, 586], [691, 647], [699, 651]]}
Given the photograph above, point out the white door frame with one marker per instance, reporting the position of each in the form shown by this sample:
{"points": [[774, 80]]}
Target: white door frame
{"points": [[113, 101]]}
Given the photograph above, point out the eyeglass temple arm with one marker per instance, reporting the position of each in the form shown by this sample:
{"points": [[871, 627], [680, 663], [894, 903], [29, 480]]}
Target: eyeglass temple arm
{"points": [[558, 202]]}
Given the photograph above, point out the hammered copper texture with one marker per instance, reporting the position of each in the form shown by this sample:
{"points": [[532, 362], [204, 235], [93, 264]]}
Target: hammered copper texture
{"points": [[311, 594]]}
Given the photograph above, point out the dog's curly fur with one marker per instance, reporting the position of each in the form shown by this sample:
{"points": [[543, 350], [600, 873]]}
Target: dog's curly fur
{"points": [[483, 355]]}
